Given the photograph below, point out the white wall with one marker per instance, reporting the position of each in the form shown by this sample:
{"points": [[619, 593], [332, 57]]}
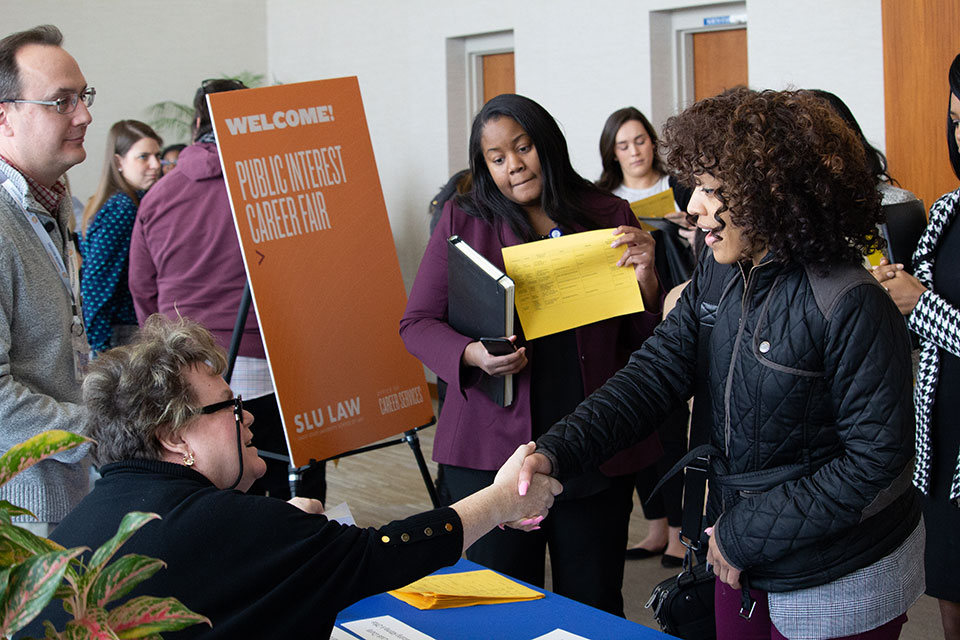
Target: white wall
{"points": [[822, 44], [580, 60], [139, 52]]}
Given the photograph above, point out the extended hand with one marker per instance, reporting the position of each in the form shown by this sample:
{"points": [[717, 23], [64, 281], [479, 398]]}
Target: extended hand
{"points": [[533, 464], [727, 573], [476, 355], [538, 497]]}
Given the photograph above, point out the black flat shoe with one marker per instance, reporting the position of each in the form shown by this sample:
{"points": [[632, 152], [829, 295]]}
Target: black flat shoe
{"points": [[670, 562], [639, 553]]}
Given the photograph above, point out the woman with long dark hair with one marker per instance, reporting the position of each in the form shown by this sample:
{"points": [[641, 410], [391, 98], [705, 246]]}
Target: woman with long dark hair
{"points": [[524, 190], [131, 167], [931, 301], [802, 363]]}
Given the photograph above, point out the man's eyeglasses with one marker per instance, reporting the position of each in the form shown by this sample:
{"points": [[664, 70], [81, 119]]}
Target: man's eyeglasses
{"points": [[66, 104], [236, 403]]}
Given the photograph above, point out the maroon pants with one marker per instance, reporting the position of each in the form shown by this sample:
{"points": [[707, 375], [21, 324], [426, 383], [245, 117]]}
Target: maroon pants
{"points": [[730, 626]]}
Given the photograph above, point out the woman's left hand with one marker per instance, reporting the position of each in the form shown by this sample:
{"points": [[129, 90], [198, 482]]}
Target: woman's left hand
{"points": [[639, 252], [905, 291], [727, 573]]}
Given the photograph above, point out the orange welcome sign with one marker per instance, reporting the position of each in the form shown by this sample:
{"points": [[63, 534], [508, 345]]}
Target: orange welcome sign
{"points": [[322, 266]]}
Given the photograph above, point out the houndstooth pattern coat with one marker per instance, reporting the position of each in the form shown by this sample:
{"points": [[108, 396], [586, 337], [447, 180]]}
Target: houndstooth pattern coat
{"points": [[937, 323]]}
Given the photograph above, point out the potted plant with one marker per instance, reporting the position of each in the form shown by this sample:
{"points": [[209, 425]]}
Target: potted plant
{"points": [[34, 570]]}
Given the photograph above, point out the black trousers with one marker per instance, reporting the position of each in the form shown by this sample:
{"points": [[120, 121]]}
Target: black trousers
{"points": [[268, 436], [667, 502], [586, 538]]}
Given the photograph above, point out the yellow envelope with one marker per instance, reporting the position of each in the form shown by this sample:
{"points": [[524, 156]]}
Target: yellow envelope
{"points": [[570, 281], [464, 589]]}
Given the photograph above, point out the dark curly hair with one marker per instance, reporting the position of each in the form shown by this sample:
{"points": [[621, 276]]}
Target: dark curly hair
{"points": [[792, 174]]}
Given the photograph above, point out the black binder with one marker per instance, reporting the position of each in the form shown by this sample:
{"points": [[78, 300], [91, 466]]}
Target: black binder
{"points": [[480, 305]]}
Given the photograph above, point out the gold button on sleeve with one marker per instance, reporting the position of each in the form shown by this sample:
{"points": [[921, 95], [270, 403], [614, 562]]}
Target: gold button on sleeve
{"points": [[428, 531], [405, 537], [385, 539], [448, 527]]}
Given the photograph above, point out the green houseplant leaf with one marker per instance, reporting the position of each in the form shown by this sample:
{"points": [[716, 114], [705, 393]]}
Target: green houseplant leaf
{"points": [[30, 587], [40, 446], [146, 615], [128, 526], [122, 575], [93, 626]]}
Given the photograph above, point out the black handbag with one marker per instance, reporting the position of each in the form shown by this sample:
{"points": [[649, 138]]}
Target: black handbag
{"points": [[683, 604]]}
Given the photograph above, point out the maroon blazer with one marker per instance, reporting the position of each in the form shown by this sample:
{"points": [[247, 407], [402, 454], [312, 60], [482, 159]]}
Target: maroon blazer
{"points": [[473, 431]]}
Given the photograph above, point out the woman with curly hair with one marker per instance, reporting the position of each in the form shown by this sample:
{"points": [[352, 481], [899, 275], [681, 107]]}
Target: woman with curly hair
{"points": [[931, 303], [801, 362]]}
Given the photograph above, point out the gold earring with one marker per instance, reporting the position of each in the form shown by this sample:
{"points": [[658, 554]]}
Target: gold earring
{"points": [[188, 459]]}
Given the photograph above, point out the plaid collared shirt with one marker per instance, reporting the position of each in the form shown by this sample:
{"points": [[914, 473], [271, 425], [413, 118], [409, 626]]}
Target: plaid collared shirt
{"points": [[48, 197], [857, 602]]}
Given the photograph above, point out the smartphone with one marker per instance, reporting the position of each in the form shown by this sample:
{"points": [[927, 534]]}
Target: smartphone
{"points": [[498, 346]]}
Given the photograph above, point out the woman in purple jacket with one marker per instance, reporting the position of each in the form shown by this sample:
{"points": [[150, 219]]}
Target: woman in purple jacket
{"points": [[525, 189]]}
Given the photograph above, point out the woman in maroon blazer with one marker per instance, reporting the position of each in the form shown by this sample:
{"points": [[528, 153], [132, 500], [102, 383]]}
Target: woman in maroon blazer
{"points": [[525, 189]]}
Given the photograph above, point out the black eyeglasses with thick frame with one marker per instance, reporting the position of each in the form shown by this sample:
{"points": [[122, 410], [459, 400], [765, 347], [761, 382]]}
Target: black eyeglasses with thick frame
{"points": [[237, 404], [65, 105]]}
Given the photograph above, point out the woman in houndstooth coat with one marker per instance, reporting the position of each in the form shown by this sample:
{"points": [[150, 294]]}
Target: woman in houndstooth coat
{"points": [[931, 301]]}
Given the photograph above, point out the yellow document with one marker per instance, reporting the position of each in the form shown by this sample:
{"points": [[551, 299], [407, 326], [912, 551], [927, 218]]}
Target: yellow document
{"points": [[570, 281], [465, 589], [656, 206]]}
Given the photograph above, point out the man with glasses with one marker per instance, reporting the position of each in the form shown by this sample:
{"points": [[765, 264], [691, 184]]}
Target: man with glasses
{"points": [[44, 115], [185, 261]]}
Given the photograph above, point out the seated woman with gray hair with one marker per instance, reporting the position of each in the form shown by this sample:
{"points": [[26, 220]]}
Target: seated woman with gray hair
{"points": [[172, 439]]}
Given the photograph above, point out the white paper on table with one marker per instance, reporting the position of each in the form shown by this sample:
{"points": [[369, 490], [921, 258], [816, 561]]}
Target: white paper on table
{"points": [[340, 513], [340, 634], [560, 634], [384, 627]]}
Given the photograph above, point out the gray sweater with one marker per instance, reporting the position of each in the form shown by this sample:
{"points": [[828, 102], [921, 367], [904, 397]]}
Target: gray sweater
{"points": [[38, 388]]}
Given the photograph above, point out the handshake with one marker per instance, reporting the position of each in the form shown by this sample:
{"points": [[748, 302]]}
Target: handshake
{"points": [[526, 490]]}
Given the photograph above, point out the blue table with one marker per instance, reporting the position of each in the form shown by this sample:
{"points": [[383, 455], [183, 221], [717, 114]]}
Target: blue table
{"points": [[517, 620]]}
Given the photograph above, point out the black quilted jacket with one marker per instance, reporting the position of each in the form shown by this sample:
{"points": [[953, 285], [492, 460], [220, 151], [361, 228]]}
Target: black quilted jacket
{"points": [[805, 386]]}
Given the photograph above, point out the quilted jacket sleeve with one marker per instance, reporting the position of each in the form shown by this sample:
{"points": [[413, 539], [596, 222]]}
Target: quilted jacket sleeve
{"points": [[633, 403], [867, 362]]}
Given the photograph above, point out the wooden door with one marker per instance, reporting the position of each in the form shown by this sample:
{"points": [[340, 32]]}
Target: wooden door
{"points": [[920, 40], [497, 75], [719, 61]]}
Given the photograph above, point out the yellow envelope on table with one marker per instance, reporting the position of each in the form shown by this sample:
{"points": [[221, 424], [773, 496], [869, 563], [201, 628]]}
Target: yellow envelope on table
{"points": [[464, 589], [566, 282]]}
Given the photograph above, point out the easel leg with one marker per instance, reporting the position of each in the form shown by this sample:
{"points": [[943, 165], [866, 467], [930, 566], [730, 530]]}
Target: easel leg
{"points": [[413, 440]]}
